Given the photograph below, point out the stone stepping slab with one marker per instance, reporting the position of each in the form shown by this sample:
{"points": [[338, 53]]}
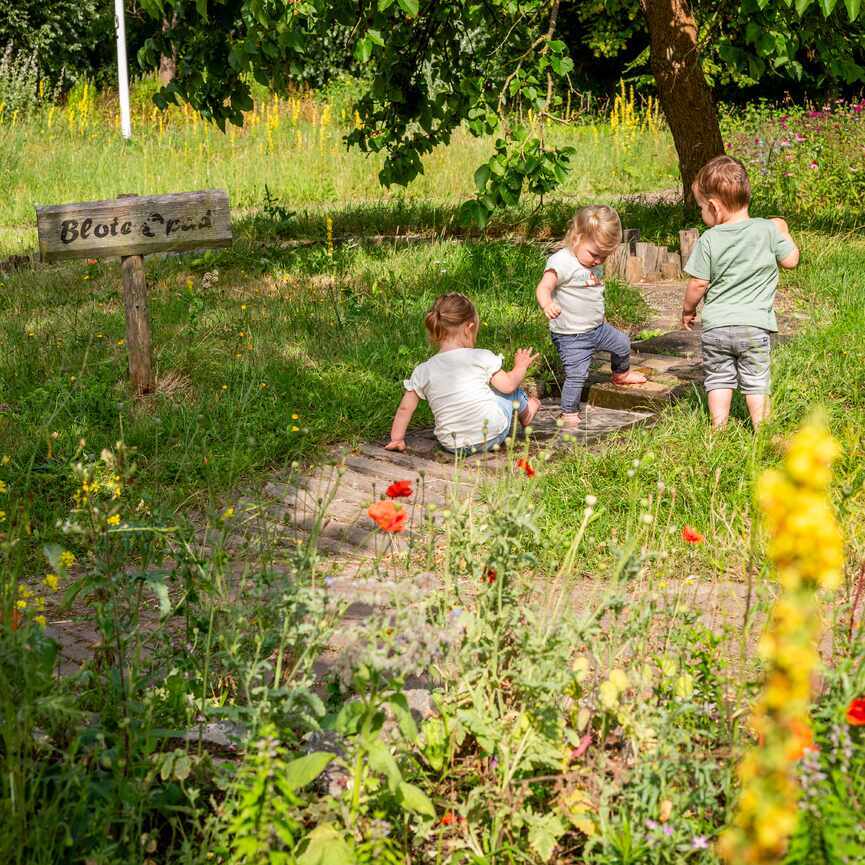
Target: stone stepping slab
{"points": [[669, 377]]}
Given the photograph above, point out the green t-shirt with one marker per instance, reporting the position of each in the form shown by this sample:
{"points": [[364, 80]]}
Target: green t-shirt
{"points": [[740, 262]]}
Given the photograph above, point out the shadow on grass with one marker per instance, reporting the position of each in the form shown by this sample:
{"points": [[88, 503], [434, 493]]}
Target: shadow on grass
{"points": [[419, 220]]}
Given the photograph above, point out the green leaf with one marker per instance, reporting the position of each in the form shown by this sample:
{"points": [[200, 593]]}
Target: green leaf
{"points": [[827, 7], [544, 834], [201, 8], [182, 767], [414, 799], [410, 7], [853, 8], [482, 175], [381, 760], [507, 195], [304, 770], [326, 847], [802, 6], [154, 8], [399, 703], [384, 4], [363, 49], [375, 37], [159, 589]]}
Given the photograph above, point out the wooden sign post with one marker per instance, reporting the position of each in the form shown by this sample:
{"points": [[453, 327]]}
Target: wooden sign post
{"points": [[130, 227]]}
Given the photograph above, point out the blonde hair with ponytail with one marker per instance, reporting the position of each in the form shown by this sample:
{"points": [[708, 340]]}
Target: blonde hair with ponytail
{"points": [[596, 222], [448, 313]]}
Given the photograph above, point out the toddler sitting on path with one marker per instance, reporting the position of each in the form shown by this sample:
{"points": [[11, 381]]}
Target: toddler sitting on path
{"points": [[472, 398], [571, 294], [734, 271]]}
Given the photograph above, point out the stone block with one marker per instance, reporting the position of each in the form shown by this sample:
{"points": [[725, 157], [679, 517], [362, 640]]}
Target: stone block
{"points": [[651, 396]]}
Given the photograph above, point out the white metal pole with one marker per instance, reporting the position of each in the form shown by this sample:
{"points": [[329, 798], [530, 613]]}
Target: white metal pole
{"points": [[122, 72]]}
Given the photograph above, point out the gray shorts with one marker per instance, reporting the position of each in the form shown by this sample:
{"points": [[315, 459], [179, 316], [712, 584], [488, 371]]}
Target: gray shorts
{"points": [[736, 356]]}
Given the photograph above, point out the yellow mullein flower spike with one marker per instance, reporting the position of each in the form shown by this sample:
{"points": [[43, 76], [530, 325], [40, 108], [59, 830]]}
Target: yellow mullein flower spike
{"points": [[806, 549]]}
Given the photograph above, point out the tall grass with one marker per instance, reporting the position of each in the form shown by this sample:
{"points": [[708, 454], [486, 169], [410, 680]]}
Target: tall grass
{"points": [[74, 152]]}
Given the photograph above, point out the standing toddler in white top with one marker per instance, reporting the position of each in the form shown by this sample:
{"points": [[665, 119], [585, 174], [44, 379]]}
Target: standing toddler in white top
{"points": [[459, 381], [571, 294]]}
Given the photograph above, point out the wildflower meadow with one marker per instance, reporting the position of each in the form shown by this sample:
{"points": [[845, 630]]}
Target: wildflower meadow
{"points": [[642, 648]]}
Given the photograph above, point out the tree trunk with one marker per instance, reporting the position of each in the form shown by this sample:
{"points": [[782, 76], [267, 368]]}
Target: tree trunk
{"points": [[167, 63], [685, 96]]}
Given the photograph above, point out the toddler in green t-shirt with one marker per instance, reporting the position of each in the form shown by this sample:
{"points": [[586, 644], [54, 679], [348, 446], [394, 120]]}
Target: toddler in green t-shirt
{"points": [[734, 271]]}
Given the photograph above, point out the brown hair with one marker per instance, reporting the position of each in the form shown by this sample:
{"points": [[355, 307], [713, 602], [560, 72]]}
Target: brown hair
{"points": [[449, 312], [726, 179], [598, 222]]}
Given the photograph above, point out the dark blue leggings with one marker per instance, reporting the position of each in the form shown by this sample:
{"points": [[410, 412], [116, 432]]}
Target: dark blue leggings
{"points": [[576, 350]]}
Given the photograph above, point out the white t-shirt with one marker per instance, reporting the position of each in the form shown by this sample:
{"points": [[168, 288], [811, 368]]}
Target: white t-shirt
{"points": [[456, 383], [579, 292]]}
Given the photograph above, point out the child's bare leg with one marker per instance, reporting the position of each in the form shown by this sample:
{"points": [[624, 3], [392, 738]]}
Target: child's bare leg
{"points": [[618, 344], [758, 407], [526, 416], [719, 406]]}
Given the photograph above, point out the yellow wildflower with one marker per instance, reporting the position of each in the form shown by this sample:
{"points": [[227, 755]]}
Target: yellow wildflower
{"points": [[295, 417], [113, 520], [67, 559], [21, 605], [228, 513], [609, 694], [52, 581], [2, 516], [6, 459], [295, 428], [620, 679], [40, 620], [806, 549], [2, 487]]}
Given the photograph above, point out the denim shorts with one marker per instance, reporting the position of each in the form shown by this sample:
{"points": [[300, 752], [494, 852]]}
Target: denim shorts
{"points": [[736, 356]]}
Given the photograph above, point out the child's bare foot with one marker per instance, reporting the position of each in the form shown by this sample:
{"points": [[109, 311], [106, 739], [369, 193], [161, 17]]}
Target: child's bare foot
{"points": [[629, 376], [528, 413], [570, 419]]}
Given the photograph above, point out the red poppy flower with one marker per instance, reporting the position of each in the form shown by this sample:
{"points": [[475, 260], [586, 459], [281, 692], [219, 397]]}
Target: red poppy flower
{"points": [[448, 818], [526, 466], [691, 535], [399, 490], [856, 712], [387, 516], [91, 261], [490, 574]]}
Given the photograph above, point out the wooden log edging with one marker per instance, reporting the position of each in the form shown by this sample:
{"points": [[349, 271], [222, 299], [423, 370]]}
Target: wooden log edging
{"points": [[635, 261]]}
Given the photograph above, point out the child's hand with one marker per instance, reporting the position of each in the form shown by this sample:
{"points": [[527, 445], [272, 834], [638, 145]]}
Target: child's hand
{"points": [[524, 358], [395, 445], [552, 310], [688, 318]]}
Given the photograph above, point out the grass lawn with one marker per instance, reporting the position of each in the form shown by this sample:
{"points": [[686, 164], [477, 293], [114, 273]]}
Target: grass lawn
{"points": [[560, 729]]}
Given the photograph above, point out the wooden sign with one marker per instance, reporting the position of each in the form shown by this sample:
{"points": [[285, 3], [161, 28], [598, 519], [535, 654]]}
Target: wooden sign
{"points": [[131, 226], [135, 225]]}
